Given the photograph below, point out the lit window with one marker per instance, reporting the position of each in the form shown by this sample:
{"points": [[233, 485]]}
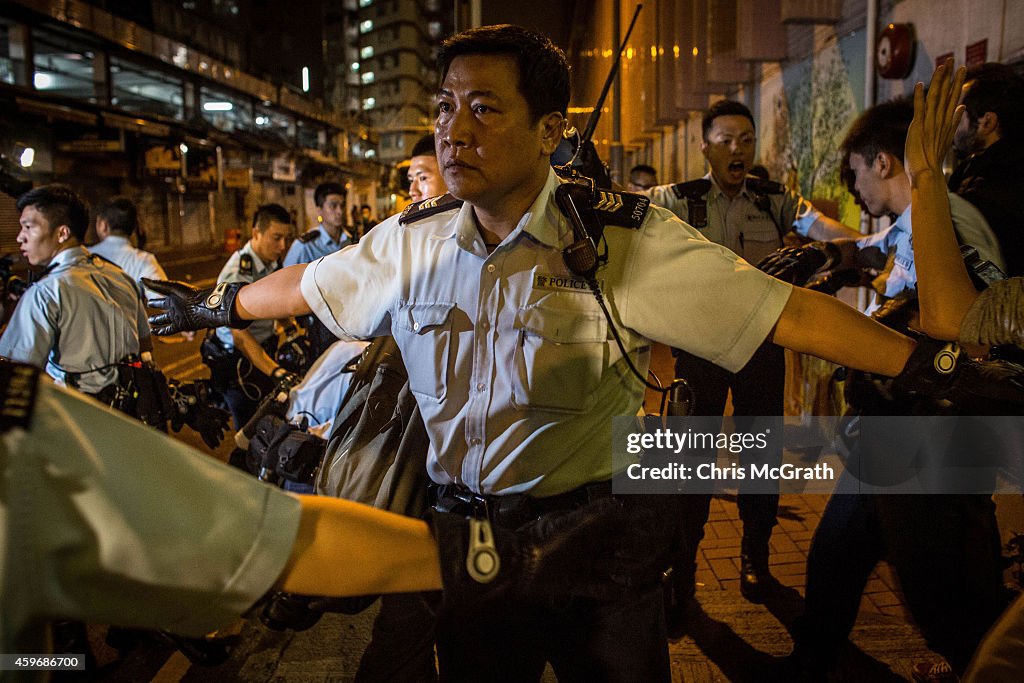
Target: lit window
{"points": [[355, 67], [366, 77], [365, 3], [365, 26], [369, 103], [42, 81], [366, 52]]}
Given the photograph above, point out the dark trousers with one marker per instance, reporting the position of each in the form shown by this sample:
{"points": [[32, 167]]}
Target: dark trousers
{"points": [[944, 548], [757, 390], [402, 645], [583, 638]]}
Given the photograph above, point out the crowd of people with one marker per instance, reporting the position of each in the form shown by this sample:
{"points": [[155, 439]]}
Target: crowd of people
{"points": [[516, 356]]}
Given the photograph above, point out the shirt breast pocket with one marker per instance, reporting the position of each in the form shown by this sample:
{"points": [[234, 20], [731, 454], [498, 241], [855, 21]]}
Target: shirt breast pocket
{"points": [[424, 333], [559, 359]]}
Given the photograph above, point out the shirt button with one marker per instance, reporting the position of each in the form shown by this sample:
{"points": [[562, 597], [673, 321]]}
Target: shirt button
{"points": [[490, 268], [481, 386], [484, 324], [474, 441]]}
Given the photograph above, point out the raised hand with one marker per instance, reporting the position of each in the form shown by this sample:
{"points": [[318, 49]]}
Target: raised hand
{"points": [[936, 117]]}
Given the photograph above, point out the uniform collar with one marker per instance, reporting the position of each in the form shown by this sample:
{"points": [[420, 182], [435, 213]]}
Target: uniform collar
{"points": [[902, 222], [115, 239], [257, 261], [717, 191], [64, 259], [542, 221], [343, 237]]}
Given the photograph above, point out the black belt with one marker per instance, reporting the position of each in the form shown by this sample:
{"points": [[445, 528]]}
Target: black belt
{"points": [[516, 509]]}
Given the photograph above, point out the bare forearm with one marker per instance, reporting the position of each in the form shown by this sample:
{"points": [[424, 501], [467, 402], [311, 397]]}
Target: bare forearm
{"points": [[825, 327], [826, 229], [344, 548], [276, 296], [943, 286], [251, 349]]}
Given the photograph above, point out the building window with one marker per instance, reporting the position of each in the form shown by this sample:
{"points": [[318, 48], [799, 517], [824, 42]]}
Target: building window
{"points": [[369, 103], [136, 88], [366, 52], [225, 112], [366, 77], [365, 3], [63, 66], [365, 26]]}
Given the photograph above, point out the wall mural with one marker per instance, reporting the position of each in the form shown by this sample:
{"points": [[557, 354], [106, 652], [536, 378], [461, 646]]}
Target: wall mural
{"points": [[804, 113]]}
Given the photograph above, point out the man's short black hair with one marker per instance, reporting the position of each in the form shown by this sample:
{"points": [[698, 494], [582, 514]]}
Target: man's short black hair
{"points": [[543, 71], [998, 89], [324, 189], [724, 108], [60, 206], [882, 128], [643, 168], [268, 213], [424, 146], [121, 216]]}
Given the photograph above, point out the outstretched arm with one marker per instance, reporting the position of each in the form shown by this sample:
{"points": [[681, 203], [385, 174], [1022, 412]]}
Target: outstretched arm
{"points": [[943, 286], [276, 296], [228, 304], [382, 551], [825, 327]]}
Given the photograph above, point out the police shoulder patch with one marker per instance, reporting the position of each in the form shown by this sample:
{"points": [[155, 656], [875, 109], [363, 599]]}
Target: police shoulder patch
{"points": [[694, 189], [18, 387], [429, 207], [759, 186], [624, 209], [245, 264], [308, 237]]}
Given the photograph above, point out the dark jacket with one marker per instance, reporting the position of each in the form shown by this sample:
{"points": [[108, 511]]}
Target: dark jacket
{"points": [[993, 180]]}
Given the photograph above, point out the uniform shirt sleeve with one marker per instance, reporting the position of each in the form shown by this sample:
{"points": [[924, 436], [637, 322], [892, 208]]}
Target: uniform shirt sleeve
{"points": [[351, 290], [296, 254], [798, 212], [113, 522], [874, 248], [32, 331], [689, 293], [665, 197]]}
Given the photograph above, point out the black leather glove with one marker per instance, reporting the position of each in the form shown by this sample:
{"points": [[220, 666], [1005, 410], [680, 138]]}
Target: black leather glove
{"points": [[192, 408], [942, 371], [187, 308], [548, 557], [797, 264]]}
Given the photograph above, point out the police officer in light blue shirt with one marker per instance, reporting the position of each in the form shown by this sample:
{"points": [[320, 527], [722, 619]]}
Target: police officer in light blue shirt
{"points": [[330, 235], [241, 361], [116, 222], [85, 315]]}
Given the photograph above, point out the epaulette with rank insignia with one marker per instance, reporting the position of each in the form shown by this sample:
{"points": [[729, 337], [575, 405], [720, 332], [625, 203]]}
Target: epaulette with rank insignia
{"points": [[18, 386], [308, 237], [695, 192], [429, 207], [694, 189], [245, 264], [760, 186], [624, 209]]}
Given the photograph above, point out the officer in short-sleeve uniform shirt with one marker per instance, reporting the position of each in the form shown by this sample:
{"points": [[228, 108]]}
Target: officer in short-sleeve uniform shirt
{"points": [[749, 216], [85, 314], [242, 361]]}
